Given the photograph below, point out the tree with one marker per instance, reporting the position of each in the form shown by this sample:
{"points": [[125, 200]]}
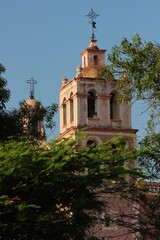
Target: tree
{"points": [[53, 193], [4, 92], [10, 124], [144, 194], [9, 121], [136, 68], [133, 207], [139, 62]]}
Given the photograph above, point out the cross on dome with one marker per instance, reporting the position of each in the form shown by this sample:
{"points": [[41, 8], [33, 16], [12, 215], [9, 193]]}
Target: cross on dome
{"points": [[32, 82]]}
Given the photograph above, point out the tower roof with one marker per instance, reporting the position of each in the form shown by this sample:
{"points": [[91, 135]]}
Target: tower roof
{"points": [[93, 59]]}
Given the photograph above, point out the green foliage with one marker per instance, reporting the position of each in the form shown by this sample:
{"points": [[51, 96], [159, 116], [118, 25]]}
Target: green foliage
{"points": [[141, 61], [136, 67], [149, 157], [51, 193], [4, 92], [10, 124], [49, 113], [9, 120]]}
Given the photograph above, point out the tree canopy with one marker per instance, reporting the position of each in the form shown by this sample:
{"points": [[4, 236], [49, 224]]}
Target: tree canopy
{"points": [[141, 61], [137, 63], [51, 193], [135, 66], [9, 120]]}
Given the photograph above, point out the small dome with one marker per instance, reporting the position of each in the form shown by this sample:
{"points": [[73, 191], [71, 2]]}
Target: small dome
{"points": [[31, 102]]}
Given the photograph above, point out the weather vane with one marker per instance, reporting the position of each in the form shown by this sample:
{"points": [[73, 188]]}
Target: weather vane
{"points": [[32, 82], [92, 15]]}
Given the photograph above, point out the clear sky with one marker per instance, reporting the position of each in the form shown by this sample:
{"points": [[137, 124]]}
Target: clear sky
{"points": [[44, 38]]}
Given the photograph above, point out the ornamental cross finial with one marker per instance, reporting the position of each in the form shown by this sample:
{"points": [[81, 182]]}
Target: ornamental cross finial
{"points": [[92, 15], [32, 82]]}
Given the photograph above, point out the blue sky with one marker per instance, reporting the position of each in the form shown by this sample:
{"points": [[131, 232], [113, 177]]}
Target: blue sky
{"points": [[44, 38]]}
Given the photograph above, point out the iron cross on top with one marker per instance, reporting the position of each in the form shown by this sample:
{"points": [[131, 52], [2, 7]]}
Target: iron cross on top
{"points": [[92, 15], [32, 82]]}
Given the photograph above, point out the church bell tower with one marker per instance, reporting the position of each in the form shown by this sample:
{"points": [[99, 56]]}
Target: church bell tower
{"points": [[89, 103]]}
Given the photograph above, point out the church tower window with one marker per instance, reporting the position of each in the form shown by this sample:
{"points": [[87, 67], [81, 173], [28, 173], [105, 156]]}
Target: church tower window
{"points": [[114, 107], [95, 59], [64, 112], [91, 104], [71, 107]]}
